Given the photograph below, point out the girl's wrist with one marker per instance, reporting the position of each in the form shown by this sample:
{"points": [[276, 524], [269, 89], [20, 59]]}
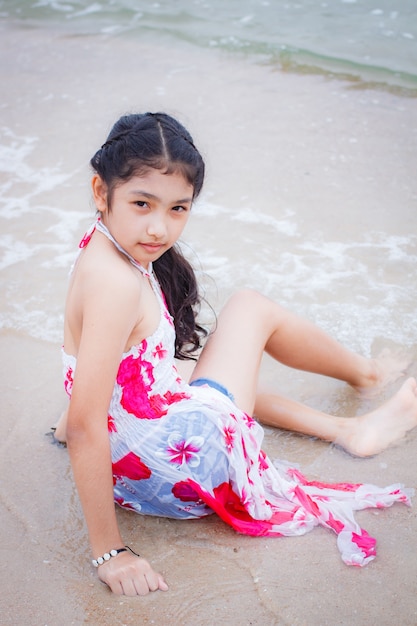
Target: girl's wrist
{"points": [[112, 553], [107, 556]]}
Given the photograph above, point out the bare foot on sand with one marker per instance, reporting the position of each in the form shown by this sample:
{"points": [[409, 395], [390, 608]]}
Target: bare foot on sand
{"points": [[373, 432], [385, 369]]}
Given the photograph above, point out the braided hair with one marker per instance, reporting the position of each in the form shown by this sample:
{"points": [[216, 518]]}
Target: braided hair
{"points": [[136, 144]]}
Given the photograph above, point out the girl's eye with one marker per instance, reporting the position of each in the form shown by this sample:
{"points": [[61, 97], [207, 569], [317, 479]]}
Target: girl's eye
{"points": [[179, 209], [141, 203]]}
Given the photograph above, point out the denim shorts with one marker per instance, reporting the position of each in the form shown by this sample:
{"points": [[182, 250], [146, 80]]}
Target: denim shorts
{"points": [[199, 382]]}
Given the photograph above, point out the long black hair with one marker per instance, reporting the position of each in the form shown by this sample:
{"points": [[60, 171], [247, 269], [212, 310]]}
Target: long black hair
{"points": [[140, 142]]}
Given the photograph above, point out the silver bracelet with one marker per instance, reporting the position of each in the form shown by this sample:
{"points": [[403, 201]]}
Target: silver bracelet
{"points": [[108, 555]]}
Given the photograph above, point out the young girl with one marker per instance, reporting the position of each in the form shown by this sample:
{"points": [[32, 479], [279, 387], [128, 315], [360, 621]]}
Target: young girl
{"points": [[142, 437]]}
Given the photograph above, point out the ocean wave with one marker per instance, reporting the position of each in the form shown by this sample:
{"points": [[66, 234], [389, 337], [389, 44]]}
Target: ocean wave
{"points": [[371, 44]]}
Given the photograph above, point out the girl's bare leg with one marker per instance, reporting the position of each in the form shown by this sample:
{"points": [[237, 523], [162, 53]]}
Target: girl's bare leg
{"points": [[365, 435], [250, 324]]}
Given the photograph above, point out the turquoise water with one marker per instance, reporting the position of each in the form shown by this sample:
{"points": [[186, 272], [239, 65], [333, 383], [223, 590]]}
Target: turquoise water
{"points": [[371, 42]]}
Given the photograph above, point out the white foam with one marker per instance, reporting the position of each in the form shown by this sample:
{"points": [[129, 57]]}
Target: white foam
{"points": [[249, 215], [347, 286], [14, 251], [353, 288], [14, 150], [37, 323], [53, 4]]}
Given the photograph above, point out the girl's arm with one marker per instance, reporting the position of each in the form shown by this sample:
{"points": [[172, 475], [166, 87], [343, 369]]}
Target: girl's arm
{"points": [[108, 318]]}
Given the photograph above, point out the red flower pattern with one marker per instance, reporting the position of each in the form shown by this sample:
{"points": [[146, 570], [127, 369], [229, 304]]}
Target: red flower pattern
{"points": [[229, 433], [131, 466], [135, 376], [185, 492], [263, 462], [159, 351], [111, 424], [69, 380]]}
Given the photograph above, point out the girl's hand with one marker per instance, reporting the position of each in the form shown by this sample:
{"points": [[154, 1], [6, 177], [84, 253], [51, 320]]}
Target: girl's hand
{"points": [[130, 575]]}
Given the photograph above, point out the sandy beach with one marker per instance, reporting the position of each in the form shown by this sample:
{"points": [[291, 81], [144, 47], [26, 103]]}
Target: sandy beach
{"points": [[311, 197]]}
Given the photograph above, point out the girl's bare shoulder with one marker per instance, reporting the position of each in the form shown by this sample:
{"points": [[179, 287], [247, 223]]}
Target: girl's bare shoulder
{"points": [[103, 278]]}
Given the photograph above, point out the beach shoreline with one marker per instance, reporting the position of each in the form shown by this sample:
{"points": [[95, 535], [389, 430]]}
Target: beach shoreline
{"points": [[340, 164], [214, 574]]}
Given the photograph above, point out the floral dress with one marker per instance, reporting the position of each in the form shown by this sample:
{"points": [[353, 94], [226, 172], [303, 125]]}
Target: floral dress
{"points": [[185, 451]]}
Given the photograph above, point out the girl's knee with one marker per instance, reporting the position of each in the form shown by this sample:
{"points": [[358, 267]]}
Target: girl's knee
{"points": [[246, 297], [250, 299], [248, 306]]}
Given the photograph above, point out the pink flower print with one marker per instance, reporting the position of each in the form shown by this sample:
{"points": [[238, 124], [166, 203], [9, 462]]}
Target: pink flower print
{"points": [[250, 481], [160, 351], [365, 543], [136, 379], [229, 437], [306, 502], [402, 497], [124, 504], [172, 398], [263, 463], [184, 492], [249, 421], [130, 466], [229, 506], [134, 370], [159, 405], [295, 473], [111, 425], [245, 498], [184, 451], [68, 382], [170, 320], [178, 378], [335, 524], [245, 454]]}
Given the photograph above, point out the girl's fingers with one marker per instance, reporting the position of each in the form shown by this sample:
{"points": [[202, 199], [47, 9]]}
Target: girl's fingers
{"points": [[162, 584], [138, 580]]}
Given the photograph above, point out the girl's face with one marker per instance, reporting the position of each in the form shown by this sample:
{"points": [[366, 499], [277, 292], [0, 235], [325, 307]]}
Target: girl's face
{"points": [[148, 212]]}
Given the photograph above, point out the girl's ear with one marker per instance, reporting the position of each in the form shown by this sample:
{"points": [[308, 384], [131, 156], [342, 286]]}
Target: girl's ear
{"points": [[99, 188]]}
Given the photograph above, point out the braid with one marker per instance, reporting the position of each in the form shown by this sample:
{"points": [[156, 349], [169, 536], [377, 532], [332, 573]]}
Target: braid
{"points": [[179, 285]]}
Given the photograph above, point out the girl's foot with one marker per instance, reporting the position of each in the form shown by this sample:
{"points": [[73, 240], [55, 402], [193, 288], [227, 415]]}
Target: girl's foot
{"points": [[373, 432], [59, 431], [51, 433], [380, 372]]}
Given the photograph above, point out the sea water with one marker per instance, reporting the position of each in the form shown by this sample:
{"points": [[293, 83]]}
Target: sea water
{"points": [[305, 113], [327, 227], [368, 40]]}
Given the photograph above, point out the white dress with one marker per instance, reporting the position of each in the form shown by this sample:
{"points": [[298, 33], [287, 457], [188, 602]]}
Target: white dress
{"points": [[187, 451]]}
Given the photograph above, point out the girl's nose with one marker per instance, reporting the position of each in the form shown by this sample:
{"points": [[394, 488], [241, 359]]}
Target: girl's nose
{"points": [[156, 226]]}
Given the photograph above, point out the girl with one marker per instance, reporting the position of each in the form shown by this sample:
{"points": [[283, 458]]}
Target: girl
{"points": [[138, 434]]}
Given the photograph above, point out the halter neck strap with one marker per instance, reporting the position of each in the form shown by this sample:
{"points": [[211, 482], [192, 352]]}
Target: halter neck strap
{"points": [[104, 230]]}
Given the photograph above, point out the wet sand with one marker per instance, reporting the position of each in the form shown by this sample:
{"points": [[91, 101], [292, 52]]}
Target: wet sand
{"points": [[269, 138]]}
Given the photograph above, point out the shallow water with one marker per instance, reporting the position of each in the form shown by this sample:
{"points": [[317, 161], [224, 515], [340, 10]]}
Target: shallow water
{"points": [[310, 197], [323, 189], [318, 190], [368, 40]]}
